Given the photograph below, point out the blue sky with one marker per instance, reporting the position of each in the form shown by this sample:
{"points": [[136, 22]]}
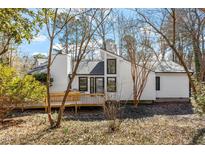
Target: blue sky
{"points": [[40, 44]]}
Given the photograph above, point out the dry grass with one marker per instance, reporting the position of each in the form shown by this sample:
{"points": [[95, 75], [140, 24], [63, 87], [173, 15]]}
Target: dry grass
{"points": [[33, 128]]}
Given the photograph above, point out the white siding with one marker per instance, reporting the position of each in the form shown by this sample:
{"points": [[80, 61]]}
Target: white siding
{"points": [[173, 85], [59, 72], [125, 84]]}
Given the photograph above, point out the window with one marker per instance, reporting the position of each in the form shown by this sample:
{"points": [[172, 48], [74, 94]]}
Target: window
{"points": [[111, 84], [158, 83], [92, 85], [99, 84], [111, 66], [83, 84]]}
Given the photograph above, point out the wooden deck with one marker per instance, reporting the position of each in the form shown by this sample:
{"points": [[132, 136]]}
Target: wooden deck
{"points": [[74, 99]]}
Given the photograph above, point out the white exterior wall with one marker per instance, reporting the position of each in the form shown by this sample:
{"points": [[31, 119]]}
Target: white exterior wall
{"points": [[173, 85], [125, 84], [59, 72], [75, 84]]}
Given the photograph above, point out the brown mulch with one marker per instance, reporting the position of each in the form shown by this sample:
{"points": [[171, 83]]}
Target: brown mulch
{"points": [[148, 124]]}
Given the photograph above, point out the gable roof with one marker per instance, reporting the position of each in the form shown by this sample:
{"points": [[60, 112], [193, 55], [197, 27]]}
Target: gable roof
{"points": [[169, 67], [91, 68], [116, 55], [159, 67], [98, 69]]}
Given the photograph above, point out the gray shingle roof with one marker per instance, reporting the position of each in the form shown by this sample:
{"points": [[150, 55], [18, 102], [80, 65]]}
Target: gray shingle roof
{"points": [[91, 68], [39, 69], [98, 69], [169, 66], [85, 67]]}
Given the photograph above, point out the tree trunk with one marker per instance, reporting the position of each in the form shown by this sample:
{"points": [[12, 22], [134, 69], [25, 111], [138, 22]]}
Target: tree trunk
{"points": [[61, 110], [48, 68], [174, 34], [196, 59], [48, 84]]}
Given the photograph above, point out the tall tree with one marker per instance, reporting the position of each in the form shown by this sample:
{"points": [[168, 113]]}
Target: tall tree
{"points": [[85, 37], [50, 19], [141, 66], [17, 25], [194, 22], [170, 43]]}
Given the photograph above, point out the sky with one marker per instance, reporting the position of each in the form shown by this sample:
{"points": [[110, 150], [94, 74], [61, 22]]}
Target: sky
{"points": [[40, 44]]}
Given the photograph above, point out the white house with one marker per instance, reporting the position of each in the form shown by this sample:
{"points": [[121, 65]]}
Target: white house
{"points": [[112, 76]]}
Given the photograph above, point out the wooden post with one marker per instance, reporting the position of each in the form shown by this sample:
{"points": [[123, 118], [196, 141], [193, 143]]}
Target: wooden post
{"points": [[76, 108], [103, 107], [22, 108]]}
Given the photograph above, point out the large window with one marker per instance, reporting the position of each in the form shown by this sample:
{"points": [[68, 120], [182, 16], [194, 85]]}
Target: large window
{"points": [[157, 83], [111, 84], [99, 84], [111, 66], [83, 84]]}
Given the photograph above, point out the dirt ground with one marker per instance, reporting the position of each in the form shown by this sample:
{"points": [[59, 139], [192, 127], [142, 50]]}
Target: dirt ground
{"points": [[161, 123]]}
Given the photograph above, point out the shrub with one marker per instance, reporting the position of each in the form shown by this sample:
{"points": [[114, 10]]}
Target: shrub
{"points": [[112, 112], [15, 90], [42, 77]]}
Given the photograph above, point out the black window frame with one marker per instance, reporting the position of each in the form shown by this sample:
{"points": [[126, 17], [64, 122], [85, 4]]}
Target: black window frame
{"points": [[115, 66], [157, 83], [86, 84], [115, 84], [96, 84], [92, 87]]}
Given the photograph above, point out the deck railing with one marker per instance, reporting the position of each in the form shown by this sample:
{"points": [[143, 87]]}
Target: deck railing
{"points": [[96, 98], [58, 97], [75, 99]]}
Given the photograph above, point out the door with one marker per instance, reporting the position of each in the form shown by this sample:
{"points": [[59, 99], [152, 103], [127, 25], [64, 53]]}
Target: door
{"points": [[99, 84], [92, 85]]}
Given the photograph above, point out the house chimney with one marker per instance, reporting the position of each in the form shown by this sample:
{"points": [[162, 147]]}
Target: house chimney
{"points": [[111, 46]]}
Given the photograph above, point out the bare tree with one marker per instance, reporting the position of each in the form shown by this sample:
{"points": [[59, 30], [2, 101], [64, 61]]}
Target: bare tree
{"points": [[141, 66], [170, 43], [50, 19], [194, 22], [89, 28], [106, 27]]}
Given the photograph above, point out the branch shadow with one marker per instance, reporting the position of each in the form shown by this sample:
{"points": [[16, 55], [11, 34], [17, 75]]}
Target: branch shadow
{"points": [[28, 139], [198, 137], [128, 111], [133, 112], [10, 123]]}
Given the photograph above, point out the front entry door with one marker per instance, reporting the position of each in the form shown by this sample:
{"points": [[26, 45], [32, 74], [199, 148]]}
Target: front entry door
{"points": [[99, 85]]}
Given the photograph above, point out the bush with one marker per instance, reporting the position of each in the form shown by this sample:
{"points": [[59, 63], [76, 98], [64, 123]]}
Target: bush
{"points": [[42, 77], [15, 90], [112, 112]]}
